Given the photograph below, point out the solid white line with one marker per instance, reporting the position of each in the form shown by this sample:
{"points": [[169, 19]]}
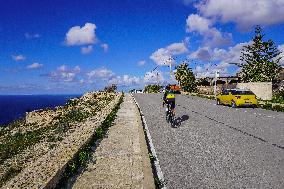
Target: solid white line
{"points": [[152, 148]]}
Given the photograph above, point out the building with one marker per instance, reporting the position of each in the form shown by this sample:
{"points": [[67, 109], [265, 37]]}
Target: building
{"points": [[205, 85]]}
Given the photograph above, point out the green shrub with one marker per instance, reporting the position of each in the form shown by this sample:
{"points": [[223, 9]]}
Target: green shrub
{"points": [[72, 102], [76, 115], [152, 88], [20, 141], [267, 106], [278, 108], [278, 97]]}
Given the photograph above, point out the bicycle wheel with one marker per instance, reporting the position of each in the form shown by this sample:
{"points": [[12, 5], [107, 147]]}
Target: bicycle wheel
{"points": [[172, 119], [167, 116]]}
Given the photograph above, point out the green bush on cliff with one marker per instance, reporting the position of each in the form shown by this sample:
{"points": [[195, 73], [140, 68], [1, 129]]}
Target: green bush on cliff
{"points": [[75, 115], [72, 102]]}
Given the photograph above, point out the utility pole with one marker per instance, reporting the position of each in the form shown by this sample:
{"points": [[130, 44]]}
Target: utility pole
{"points": [[171, 72], [217, 74]]}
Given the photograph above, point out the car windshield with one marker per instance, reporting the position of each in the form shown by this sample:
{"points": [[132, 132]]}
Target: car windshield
{"points": [[242, 92]]}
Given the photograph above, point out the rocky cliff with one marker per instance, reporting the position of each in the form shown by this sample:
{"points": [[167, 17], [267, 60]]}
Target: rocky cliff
{"points": [[33, 151]]}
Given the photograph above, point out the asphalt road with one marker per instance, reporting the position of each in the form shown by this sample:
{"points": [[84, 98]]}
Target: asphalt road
{"points": [[216, 146]]}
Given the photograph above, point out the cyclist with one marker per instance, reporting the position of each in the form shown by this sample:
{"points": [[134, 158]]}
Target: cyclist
{"points": [[169, 99]]}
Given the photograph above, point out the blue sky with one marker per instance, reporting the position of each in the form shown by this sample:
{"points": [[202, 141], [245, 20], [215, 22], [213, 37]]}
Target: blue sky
{"points": [[64, 47]]}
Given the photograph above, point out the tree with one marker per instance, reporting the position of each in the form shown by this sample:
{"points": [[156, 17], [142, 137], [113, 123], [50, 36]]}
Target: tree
{"points": [[110, 89], [152, 88], [185, 77], [261, 59]]}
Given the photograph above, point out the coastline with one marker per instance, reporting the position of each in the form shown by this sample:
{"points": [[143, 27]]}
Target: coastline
{"points": [[42, 132], [15, 107]]}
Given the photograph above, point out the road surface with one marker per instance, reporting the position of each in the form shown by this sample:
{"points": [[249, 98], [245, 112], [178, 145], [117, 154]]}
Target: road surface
{"points": [[216, 146]]}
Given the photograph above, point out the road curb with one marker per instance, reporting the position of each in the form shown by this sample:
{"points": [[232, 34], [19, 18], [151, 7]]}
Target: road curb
{"points": [[156, 166]]}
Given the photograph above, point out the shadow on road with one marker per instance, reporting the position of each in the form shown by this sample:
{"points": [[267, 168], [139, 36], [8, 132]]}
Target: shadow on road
{"points": [[179, 120]]}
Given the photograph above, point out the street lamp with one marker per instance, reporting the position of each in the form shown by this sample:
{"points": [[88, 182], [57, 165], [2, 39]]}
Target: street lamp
{"points": [[217, 74], [236, 63]]}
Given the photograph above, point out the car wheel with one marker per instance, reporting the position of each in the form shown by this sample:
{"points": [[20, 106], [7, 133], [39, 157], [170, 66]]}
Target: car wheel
{"points": [[233, 104], [218, 102]]}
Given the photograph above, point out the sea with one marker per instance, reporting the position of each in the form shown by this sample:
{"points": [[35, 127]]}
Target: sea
{"points": [[13, 107]]}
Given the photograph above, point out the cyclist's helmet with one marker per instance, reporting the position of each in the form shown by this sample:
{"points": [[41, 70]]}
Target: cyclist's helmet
{"points": [[168, 87]]}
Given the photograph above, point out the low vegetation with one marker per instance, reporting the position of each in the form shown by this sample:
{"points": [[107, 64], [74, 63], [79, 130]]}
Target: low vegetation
{"points": [[110, 89], [269, 106], [81, 158], [278, 97], [18, 140]]}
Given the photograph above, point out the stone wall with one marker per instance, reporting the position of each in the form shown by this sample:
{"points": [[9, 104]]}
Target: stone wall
{"points": [[208, 90], [262, 90]]}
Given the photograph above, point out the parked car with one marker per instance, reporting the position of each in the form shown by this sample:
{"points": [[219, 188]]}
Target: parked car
{"points": [[237, 97]]}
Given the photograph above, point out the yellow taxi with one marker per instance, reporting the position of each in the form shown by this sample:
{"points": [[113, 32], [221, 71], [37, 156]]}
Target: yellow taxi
{"points": [[237, 97]]}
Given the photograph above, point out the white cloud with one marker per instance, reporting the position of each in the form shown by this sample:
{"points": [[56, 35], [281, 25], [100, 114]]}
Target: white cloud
{"points": [[209, 70], [163, 56], [232, 55], [125, 81], [31, 36], [105, 76], [153, 77], [81, 35], [202, 53], [64, 74], [211, 35], [221, 59], [229, 55], [101, 73], [109, 77], [141, 63], [18, 57], [225, 57], [196, 23], [35, 66], [245, 13], [215, 38], [86, 50], [186, 41], [105, 47], [177, 48]]}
